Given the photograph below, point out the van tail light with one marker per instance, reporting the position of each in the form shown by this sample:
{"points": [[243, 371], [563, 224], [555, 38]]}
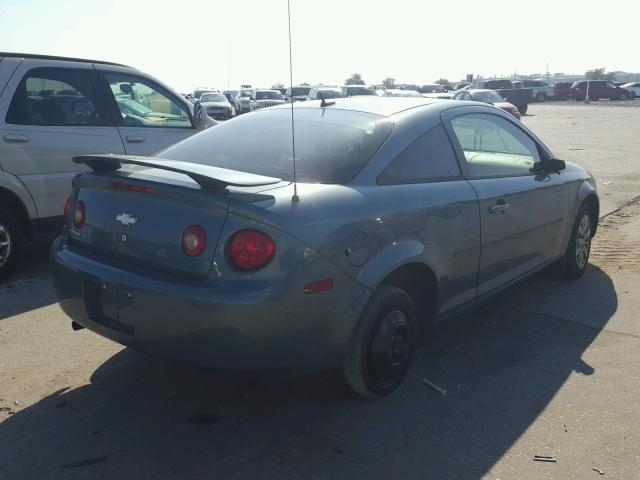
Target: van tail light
{"points": [[194, 240], [67, 204], [79, 214], [251, 249]]}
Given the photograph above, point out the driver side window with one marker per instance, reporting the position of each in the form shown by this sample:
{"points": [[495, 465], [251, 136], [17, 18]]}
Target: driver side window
{"points": [[143, 105], [494, 147]]}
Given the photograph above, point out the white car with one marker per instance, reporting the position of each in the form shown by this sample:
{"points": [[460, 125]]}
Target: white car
{"points": [[55, 108], [633, 87], [396, 92]]}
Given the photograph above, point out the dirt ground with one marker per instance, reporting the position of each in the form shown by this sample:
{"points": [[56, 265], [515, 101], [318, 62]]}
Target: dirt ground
{"points": [[550, 368]]}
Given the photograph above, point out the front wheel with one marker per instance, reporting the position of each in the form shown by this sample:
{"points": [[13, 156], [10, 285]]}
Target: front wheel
{"points": [[11, 243], [382, 344], [624, 96], [577, 255], [541, 97]]}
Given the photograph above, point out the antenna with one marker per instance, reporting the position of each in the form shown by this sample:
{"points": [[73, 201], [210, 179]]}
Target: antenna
{"points": [[295, 197]]}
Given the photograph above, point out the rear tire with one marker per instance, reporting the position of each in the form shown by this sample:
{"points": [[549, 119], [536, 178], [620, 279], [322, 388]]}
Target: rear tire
{"points": [[576, 257], [382, 344], [11, 243]]}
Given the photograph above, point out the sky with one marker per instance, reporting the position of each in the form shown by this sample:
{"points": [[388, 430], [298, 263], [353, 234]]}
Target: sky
{"points": [[216, 43]]}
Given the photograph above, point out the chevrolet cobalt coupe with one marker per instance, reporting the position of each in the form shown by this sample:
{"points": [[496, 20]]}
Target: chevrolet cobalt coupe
{"points": [[405, 211]]}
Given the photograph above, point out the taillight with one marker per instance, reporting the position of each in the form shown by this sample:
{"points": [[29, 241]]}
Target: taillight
{"points": [[67, 204], [79, 214], [194, 240], [251, 249]]}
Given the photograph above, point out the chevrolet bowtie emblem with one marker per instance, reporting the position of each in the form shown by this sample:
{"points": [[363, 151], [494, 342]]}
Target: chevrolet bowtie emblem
{"points": [[126, 219]]}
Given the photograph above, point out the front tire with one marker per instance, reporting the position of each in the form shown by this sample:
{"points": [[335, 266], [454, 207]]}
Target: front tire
{"points": [[541, 97], [383, 343], [577, 255], [11, 243], [624, 96]]}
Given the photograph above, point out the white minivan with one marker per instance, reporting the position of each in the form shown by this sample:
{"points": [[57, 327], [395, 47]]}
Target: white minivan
{"points": [[53, 108]]}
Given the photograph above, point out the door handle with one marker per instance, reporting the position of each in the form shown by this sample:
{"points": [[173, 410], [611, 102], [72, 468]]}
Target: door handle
{"points": [[135, 139], [12, 138], [499, 208]]}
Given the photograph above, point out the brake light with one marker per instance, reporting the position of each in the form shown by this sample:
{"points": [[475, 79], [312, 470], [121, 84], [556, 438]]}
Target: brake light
{"points": [[251, 249], [79, 214], [132, 187], [67, 204], [194, 240]]}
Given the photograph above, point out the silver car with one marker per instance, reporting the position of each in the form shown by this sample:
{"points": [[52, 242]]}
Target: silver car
{"points": [[402, 211], [52, 108]]}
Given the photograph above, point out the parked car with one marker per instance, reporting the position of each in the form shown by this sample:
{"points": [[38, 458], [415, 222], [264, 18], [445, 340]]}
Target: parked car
{"points": [[562, 90], [198, 92], [633, 87], [266, 98], [407, 211], [461, 85], [52, 108], [231, 96], [395, 92], [488, 96], [243, 100], [326, 92], [520, 97], [433, 88], [217, 105], [297, 94], [598, 89], [540, 91], [357, 90]]}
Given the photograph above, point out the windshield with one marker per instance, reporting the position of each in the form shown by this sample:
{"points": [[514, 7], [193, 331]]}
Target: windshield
{"points": [[299, 91], [331, 145], [267, 95], [246, 93], [213, 97], [353, 91], [487, 97]]}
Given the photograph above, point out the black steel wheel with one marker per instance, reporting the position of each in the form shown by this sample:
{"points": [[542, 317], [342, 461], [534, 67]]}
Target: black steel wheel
{"points": [[383, 343]]}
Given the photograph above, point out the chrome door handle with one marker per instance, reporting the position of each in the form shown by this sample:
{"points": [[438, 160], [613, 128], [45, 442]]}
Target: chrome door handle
{"points": [[135, 139], [11, 138], [499, 208]]}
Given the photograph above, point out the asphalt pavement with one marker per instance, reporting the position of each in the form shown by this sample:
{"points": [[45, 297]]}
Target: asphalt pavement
{"points": [[550, 368]]}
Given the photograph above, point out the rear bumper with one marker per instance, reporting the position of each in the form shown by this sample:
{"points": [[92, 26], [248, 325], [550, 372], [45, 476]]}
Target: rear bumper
{"points": [[241, 326]]}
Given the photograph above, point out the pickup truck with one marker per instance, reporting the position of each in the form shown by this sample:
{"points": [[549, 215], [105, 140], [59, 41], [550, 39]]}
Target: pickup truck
{"points": [[520, 97], [541, 91]]}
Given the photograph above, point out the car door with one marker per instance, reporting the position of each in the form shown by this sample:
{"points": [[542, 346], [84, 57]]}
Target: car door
{"points": [[53, 114], [523, 213], [148, 116]]}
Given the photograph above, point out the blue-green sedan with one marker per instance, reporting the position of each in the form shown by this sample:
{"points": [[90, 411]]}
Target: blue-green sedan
{"points": [[397, 212]]}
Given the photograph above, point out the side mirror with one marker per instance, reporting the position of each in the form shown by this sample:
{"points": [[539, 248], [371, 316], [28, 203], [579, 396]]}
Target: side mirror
{"points": [[555, 165], [200, 116]]}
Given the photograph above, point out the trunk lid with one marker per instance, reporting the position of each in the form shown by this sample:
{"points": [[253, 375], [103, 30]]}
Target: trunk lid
{"points": [[137, 217]]}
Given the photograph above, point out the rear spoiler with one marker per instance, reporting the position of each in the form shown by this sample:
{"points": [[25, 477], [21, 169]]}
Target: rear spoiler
{"points": [[207, 176]]}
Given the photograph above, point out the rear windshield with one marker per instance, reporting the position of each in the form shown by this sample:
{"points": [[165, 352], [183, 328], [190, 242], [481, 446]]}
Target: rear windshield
{"points": [[331, 145]]}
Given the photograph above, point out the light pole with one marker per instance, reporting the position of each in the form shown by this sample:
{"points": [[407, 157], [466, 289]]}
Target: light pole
{"points": [[587, 99]]}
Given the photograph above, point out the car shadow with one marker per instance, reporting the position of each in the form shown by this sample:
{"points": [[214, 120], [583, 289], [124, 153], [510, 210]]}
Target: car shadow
{"points": [[142, 417], [30, 287]]}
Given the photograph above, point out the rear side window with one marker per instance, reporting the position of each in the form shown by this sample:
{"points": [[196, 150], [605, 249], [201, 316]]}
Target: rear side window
{"points": [[430, 158], [56, 97], [332, 146]]}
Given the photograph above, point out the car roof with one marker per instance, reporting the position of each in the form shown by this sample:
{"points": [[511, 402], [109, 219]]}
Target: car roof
{"points": [[57, 58], [383, 106], [267, 90], [479, 90]]}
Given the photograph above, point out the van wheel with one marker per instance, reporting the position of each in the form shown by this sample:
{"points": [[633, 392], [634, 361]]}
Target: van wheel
{"points": [[576, 257], [383, 343], [11, 243]]}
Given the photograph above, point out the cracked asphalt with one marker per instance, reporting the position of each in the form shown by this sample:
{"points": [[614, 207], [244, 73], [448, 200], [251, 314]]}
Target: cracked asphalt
{"points": [[549, 368]]}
